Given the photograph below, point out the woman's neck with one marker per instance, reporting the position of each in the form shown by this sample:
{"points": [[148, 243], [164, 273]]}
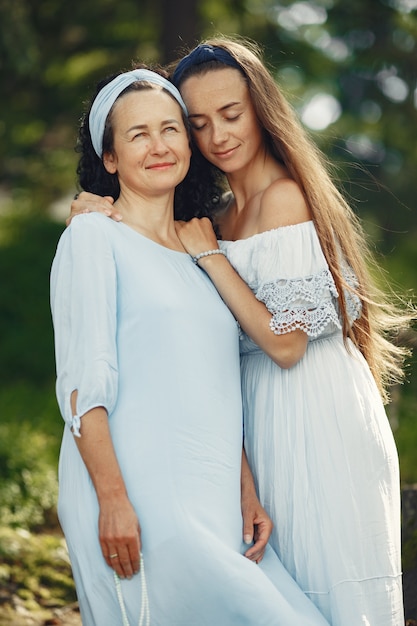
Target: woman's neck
{"points": [[249, 182], [241, 218], [151, 217]]}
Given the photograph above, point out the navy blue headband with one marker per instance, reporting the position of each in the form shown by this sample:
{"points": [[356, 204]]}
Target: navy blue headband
{"points": [[204, 53]]}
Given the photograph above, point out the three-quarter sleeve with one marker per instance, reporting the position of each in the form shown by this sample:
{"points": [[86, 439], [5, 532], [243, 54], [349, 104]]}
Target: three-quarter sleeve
{"points": [[84, 313]]}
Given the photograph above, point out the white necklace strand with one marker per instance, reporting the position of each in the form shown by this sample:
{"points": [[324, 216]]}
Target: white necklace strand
{"points": [[144, 617]]}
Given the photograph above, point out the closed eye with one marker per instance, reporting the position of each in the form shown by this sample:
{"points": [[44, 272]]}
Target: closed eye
{"points": [[197, 128]]}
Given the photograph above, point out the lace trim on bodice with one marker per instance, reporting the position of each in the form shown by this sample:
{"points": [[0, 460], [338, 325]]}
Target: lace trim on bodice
{"points": [[308, 303]]}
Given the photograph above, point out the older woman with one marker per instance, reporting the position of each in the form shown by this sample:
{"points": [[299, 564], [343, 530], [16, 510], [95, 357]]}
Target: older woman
{"points": [[149, 386]]}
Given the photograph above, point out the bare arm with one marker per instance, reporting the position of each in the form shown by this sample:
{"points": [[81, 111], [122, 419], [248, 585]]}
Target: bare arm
{"points": [[257, 526], [253, 316], [119, 529]]}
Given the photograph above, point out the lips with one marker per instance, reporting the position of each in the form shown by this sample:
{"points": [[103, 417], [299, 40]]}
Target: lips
{"points": [[160, 166], [225, 153]]}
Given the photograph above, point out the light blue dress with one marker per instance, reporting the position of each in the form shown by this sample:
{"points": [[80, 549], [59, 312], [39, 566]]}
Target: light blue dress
{"points": [[140, 330], [318, 439]]}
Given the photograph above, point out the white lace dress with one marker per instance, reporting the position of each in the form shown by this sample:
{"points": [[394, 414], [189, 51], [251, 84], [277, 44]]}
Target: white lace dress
{"points": [[318, 439]]}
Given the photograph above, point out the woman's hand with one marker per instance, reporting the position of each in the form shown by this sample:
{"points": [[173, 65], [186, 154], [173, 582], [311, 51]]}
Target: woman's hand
{"points": [[86, 202], [197, 235], [119, 535], [257, 525]]}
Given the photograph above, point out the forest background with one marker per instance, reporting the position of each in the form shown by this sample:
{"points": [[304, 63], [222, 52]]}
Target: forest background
{"points": [[350, 71]]}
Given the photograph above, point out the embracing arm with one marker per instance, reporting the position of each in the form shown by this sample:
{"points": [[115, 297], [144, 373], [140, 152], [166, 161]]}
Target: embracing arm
{"points": [[281, 204], [119, 530], [253, 316]]}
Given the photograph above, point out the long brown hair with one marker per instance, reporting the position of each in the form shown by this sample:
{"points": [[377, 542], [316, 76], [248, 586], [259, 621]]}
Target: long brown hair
{"points": [[337, 225]]}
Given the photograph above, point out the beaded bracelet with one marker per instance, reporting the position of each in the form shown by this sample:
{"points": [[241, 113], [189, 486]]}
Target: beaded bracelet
{"points": [[208, 253]]}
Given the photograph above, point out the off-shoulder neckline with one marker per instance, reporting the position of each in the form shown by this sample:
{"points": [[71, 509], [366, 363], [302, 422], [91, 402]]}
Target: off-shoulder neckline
{"points": [[266, 232]]}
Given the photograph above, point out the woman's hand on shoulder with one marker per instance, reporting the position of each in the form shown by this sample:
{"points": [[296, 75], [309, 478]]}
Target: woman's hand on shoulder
{"points": [[283, 204], [86, 202]]}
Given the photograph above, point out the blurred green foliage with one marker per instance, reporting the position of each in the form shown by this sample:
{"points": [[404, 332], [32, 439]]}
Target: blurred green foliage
{"points": [[29, 443], [26, 250], [30, 425]]}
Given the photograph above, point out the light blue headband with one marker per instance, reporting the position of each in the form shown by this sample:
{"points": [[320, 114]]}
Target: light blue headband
{"points": [[109, 94]]}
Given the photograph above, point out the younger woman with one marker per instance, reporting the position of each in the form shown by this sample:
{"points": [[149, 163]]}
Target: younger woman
{"points": [[314, 359]]}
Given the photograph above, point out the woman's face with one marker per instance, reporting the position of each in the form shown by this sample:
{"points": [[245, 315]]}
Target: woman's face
{"points": [[223, 120], [151, 153]]}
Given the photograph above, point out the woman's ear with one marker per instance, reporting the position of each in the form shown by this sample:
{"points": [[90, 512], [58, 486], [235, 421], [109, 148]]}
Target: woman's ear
{"points": [[110, 162]]}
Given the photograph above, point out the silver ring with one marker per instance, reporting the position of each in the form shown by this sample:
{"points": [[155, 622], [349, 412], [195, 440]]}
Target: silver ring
{"points": [[113, 556]]}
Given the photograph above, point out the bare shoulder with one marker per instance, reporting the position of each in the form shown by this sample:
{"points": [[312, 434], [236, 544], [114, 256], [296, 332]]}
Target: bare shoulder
{"points": [[283, 204]]}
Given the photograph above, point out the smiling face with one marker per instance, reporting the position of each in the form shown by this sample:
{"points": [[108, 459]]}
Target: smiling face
{"points": [[151, 153], [223, 120]]}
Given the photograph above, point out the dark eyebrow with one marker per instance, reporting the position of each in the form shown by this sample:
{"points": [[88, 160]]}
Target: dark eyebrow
{"points": [[223, 108]]}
